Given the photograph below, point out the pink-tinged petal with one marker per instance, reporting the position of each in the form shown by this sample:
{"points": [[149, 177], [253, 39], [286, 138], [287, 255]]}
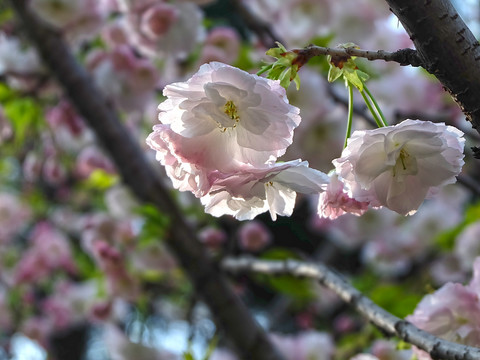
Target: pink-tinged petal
{"points": [[398, 166], [226, 103]]}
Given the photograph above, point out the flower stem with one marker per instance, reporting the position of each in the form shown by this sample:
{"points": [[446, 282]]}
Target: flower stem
{"points": [[350, 114], [372, 110], [375, 104]]}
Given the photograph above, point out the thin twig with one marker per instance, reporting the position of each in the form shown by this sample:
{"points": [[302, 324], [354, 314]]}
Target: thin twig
{"points": [[403, 57], [436, 347]]}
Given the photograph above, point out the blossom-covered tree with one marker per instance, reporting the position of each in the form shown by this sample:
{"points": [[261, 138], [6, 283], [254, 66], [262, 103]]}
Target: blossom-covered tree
{"points": [[126, 124]]}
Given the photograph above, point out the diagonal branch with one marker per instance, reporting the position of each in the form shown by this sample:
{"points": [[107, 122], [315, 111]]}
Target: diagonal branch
{"points": [[436, 347], [230, 313]]}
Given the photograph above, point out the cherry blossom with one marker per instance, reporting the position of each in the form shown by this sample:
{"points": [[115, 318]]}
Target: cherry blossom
{"points": [[254, 236], [335, 201], [17, 59], [398, 166], [252, 191], [233, 112], [164, 28], [452, 312], [78, 18], [13, 216]]}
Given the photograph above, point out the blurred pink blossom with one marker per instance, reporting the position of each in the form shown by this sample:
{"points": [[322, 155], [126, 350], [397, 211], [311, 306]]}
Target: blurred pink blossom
{"points": [[254, 236], [13, 216], [162, 28]]}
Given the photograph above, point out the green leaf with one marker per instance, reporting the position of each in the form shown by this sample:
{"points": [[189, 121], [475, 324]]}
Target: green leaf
{"points": [[244, 60], [285, 78], [301, 289], [395, 299], [101, 180], [297, 81], [24, 115], [212, 345], [352, 78], [334, 73], [155, 226]]}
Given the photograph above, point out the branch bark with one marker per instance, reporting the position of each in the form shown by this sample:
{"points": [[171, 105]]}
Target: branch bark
{"points": [[392, 325], [230, 313], [403, 56], [447, 48]]}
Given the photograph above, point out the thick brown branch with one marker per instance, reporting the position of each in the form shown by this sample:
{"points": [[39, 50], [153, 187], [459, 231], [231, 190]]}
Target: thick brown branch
{"points": [[447, 48], [231, 315], [436, 347]]}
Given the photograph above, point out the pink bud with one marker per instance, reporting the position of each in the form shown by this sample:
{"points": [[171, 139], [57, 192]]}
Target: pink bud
{"points": [[212, 238], [254, 236]]}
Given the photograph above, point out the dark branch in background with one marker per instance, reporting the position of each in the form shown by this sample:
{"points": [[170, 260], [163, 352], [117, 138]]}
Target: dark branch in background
{"points": [[470, 183], [447, 48], [392, 325], [230, 313], [403, 56], [262, 29]]}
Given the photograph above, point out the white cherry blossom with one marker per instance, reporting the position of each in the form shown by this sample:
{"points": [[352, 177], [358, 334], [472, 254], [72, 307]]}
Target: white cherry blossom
{"points": [[398, 166], [242, 117], [251, 191]]}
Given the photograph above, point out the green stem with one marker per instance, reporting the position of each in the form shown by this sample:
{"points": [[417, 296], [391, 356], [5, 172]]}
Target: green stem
{"points": [[375, 104], [372, 110], [350, 114]]}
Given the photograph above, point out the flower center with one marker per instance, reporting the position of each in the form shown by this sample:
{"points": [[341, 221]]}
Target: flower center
{"points": [[405, 165], [230, 109]]}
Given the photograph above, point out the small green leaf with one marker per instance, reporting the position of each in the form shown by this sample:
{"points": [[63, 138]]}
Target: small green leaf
{"points": [[297, 81], [334, 73], [101, 180]]}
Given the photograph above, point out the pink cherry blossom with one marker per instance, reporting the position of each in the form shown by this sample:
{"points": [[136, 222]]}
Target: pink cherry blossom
{"points": [[467, 246], [251, 191], [186, 162], [13, 216], [397, 166], [78, 18], [334, 201], [308, 345], [90, 159], [16, 59], [254, 236], [233, 113], [452, 313], [222, 44], [124, 77], [49, 251], [163, 28], [212, 237]]}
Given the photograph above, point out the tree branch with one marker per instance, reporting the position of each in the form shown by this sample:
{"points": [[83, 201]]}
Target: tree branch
{"points": [[392, 325], [403, 56], [230, 313], [447, 48], [263, 30]]}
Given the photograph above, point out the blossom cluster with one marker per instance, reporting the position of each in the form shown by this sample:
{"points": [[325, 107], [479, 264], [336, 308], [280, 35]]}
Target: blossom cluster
{"points": [[221, 134], [223, 130]]}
